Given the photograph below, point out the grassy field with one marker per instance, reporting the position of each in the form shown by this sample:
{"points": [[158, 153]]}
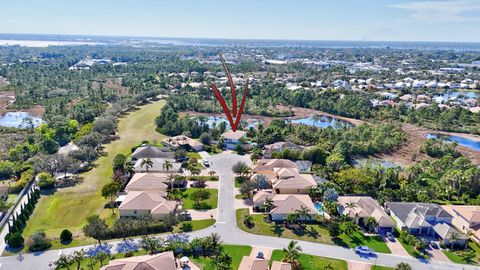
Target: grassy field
{"points": [[236, 252], [310, 262], [210, 203], [312, 233], [69, 207], [359, 239]]}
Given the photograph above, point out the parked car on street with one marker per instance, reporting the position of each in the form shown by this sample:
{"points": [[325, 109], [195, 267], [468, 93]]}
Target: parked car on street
{"points": [[364, 250], [433, 244]]}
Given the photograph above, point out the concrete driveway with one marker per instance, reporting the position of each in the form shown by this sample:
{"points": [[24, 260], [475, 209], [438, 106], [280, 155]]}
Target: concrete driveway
{"points": [[395, 247]]}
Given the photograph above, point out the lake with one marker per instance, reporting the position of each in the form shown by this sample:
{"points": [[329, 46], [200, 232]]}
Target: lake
{"points": [[16, 119], [472, 144], [454, 94], [322, 121], [215, 121]]}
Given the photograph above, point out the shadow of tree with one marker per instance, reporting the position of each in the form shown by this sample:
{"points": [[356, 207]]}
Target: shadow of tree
{"points": [[339, 242], [313, 233]]}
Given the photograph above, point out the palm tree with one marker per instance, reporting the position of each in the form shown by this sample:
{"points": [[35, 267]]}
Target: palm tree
{"points": [[63, 261], [194, 171], [92, 263], [101, 256], [150, 244], [350, 205], [303, 213], [211, 173], [291, 218], [453, 238], [403, 266], [129, 168], [147, 162], [255, 154], [291, 254], [371, 223], [268, 204], [214, 242], [78, 256], [350, 227], [167, 165], [171, 180], [245, 171]]}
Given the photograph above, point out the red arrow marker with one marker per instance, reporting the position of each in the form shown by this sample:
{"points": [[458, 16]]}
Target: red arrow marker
{"points": [[220, 99]]}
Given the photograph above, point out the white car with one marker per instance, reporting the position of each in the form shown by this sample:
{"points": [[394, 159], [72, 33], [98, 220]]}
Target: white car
{"points": [[364, 250], [206, 163]]}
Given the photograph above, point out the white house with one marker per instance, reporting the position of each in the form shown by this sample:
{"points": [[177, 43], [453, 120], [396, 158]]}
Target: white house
{"points": [[233, 138]]}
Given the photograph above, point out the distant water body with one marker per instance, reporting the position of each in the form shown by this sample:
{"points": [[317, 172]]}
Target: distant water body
{"points": [[109, 40]]}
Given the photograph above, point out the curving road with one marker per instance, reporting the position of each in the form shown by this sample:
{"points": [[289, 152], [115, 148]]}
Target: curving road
{"points": [[227, 228]]}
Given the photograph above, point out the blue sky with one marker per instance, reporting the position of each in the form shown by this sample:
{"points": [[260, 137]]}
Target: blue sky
{"points": [[413, 20]]}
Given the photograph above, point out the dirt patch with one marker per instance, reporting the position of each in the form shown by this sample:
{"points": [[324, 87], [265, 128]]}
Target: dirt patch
{"points": [[6, 98], [37, 111], [409, 153]]}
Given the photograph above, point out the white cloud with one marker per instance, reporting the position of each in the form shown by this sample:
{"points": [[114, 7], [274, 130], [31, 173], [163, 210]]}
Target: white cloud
{"points": [[442, 11]]}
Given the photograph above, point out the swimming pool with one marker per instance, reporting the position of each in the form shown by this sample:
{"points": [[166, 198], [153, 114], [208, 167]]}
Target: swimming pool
{"points": [[320, 208]]}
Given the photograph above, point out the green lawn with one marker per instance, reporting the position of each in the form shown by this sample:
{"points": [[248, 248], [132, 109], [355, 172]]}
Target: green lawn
{"points": [[199, 177], [458, 256], [197, 224], [359, 239], [211, 203], [412, 250], [69, 207], [194, 155], [310, 262], [215, 150], [236, 252], [312, 232], [238, 181], [378, 267]]}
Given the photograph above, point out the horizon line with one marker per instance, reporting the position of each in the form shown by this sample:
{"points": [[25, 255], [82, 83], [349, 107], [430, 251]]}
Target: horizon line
{"points": [[243, 39]]}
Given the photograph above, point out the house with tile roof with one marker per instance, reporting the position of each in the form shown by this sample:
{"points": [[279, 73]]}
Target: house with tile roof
{"points": [[418, 218], [182, 141], [149, 182], [157, 166], [279, 147], [249, 263], [284, 204], [161, 261], [266, 166], [233, 138], [281, 266], [142, 203], [149, 151], [365, 206], [449, 235], [290, 181], [466, 218]]}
